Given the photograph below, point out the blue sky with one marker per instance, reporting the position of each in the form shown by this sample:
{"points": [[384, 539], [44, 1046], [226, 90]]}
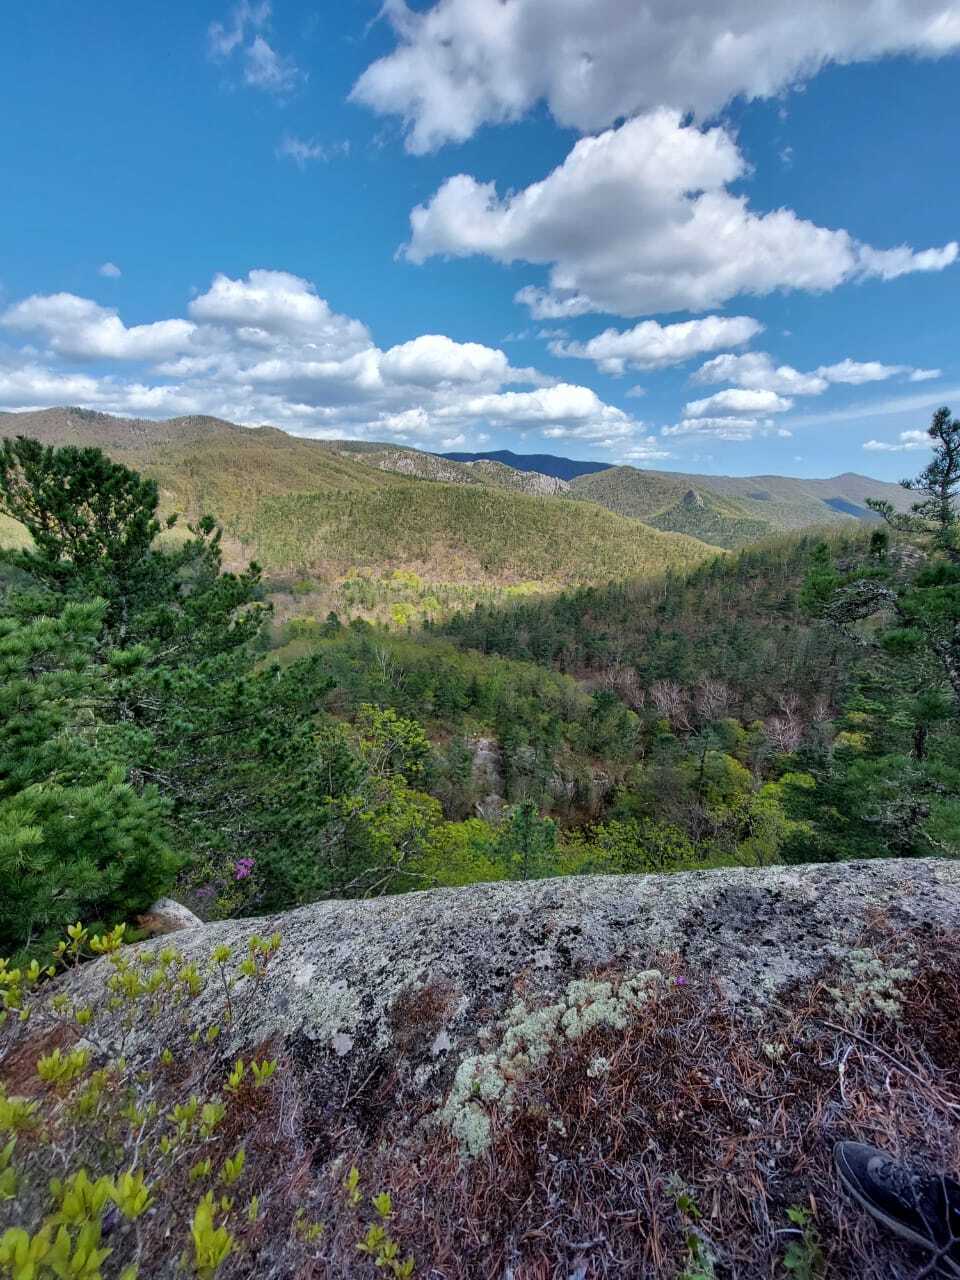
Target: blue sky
{"points": [[709, 235]]}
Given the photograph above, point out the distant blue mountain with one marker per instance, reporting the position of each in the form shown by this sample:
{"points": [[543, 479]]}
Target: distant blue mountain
{"points": [[545, 463]]}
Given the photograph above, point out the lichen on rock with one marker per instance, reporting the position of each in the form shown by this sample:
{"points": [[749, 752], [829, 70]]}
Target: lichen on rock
{"points": [[870, 984], [529, 1037]]}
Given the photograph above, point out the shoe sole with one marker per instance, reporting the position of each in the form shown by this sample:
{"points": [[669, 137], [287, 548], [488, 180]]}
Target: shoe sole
{"points": [[923, 1242]]}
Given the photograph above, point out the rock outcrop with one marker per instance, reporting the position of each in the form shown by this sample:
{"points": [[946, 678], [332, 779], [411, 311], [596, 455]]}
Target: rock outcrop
{"points": [[344, 965], [167, 916], [537, 1071]]}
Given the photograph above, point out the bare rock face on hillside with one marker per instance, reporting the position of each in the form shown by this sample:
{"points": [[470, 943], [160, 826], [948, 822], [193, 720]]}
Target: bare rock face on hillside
{"points": [[489, 471], [544, 1074]]}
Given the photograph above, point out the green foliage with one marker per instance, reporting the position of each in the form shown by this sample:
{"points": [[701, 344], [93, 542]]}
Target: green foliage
{"points": [[735, 619], [146, 732], [630, 845], [119, 1146], [890, 785], [93, 852], [526, 844], [804, 1257], [212, 1245], [923, 604], [727, 511], [85, 514]]}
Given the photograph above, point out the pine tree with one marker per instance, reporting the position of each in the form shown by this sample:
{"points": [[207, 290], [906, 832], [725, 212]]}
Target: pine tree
{"points": [[924, 606]]}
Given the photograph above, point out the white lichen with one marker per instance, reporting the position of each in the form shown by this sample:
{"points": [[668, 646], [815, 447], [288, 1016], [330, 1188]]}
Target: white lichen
{"points": [[487, 1081], [870, 985]]}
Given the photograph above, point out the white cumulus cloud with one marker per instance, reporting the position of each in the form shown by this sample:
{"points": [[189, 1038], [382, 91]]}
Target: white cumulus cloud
{"points": [[434, 358], [562, 412], [857, 372], [110, 270], [78, 327], [721, 428], [267, 304], [460, 64], [268, 348], [737, 400], [638, 220], [650, 345], [756, 370], [906, 442]]}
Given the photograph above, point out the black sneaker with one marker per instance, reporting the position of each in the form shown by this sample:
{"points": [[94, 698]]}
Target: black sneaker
{"points": [[923, 1208]]}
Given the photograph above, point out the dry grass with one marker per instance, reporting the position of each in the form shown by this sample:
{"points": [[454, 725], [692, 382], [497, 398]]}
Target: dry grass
{"points": [[704, 1124], [740, 1114]]}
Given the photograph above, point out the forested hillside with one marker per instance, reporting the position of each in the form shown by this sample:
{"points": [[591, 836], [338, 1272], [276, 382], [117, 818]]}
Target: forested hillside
{"points": [[295, 504], [740, 620], [161, 728], [733, 511]]}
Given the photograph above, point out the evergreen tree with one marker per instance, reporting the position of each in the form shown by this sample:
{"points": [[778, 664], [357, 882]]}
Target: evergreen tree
{"points": [[924, 606]]}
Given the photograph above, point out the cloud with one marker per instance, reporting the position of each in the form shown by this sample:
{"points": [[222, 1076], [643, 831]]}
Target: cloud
{"points": [[268, 348], [650, 345], [757, 371], [856, 372], [638, 220], [545, 305], [30, 385], [562, 412], [434, 359], [889, 264], [460, 64], [879, 408], [724, 428], [78, 327], [649, 449], [242, 34], [268, 304], [302, 151], [738, 400], [266, 69], [224, 38], [110, 270], [908, 441]]}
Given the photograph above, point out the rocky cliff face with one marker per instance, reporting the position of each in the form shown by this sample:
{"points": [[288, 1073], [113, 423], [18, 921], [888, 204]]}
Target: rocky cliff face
{"points": [[491, 472], [538, 1071]]}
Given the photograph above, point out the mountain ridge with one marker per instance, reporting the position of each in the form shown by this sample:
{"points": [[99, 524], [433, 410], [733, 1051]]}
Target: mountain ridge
{"points": [[730, 511], [297, 504]]}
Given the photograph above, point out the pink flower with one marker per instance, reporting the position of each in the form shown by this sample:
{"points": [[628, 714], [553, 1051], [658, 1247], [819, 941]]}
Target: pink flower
{"points": [[242, 868], [681, 981]]}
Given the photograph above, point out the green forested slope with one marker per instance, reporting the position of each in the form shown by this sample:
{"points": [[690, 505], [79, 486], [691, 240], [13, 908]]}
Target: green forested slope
{"points": [[732, 511], [295, 503], [737, 619]]}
